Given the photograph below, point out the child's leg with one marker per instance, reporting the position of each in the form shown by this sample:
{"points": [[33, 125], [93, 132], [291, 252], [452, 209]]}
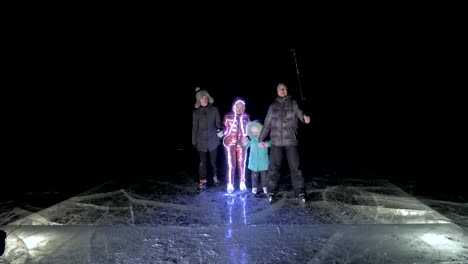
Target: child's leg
{"points": [[241, 156], [264, 180], [231, 163], [254, 176]]}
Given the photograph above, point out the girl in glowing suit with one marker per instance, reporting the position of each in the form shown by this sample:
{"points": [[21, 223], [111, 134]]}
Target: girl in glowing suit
{"points": [[235, 123]]}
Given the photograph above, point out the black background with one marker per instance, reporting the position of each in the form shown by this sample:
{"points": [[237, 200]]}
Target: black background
{"points": [[90, 103]]}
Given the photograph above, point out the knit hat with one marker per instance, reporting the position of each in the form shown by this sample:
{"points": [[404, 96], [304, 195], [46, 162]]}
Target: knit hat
{"points": [[199, 94]]}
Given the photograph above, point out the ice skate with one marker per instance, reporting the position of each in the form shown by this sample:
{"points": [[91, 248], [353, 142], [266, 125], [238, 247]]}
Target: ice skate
{"points": [[254, 190], [201, 186], [271, 197], [230, 188], [242, 187], [215, 180], [301, 198]]}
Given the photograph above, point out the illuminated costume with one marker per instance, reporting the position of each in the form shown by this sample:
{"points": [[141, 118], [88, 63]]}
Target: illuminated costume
{"points": [[235, 123]]}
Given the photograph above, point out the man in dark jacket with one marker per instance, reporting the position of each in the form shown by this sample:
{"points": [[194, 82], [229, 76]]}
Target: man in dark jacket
{"points": [[206, 133], [281, 123]]}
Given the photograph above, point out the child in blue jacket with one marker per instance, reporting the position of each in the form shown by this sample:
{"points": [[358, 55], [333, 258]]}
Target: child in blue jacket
{"points": [[258, 156]]}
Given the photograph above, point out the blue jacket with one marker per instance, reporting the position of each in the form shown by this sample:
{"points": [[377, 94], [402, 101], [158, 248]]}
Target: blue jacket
{"points": [[258, 157]]}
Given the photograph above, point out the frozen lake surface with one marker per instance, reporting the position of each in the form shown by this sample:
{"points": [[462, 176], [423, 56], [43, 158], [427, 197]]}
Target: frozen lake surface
{"points": [[153, 221]]}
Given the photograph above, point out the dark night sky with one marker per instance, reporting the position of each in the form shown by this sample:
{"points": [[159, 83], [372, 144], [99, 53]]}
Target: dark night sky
{"points": [[101, 100]]}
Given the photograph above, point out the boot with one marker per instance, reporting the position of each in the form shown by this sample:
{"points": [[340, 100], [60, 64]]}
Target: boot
{"points": [[265, 190], [201, 186], [215, 180], [254, 190]]}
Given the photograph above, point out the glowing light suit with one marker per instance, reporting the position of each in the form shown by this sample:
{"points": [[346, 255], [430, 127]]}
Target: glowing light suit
{"points": [[235, 123]]}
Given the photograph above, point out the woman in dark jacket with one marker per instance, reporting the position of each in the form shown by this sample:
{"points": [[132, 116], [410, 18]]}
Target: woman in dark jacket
{"points": [[206, 133]]}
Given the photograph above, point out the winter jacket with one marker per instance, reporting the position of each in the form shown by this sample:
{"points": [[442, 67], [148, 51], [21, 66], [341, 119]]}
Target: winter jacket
{"points": [[206, 122], [234, 132], [258, 157], [281, 122]]}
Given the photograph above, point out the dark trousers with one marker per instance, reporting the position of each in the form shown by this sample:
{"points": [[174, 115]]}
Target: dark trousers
{"points": [[259, 175], [202, 166], [274, 169]]}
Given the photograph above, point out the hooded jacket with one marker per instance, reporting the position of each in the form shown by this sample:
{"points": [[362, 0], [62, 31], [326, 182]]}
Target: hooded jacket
{"points": [[258, 157]]}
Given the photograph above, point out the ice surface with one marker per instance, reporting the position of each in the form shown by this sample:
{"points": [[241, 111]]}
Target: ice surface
{"points": [[344, 221]]}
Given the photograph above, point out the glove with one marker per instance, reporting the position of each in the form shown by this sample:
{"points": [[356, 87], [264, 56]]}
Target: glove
{"points": [[245, 140], [220, 134]]}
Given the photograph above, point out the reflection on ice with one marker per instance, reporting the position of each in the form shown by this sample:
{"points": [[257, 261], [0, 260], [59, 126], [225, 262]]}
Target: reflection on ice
{"points": [[350, 221], [34, 241], [237, 219], [441, 242]]}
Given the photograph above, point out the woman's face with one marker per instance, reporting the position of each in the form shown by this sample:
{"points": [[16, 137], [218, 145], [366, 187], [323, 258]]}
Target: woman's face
{"points": [[204, 101], [239, 108]]}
